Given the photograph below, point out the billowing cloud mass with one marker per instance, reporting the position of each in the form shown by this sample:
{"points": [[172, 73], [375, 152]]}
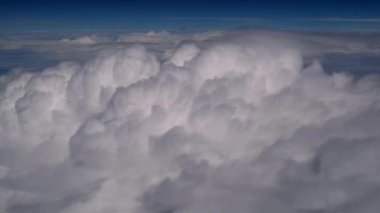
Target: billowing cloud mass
{"points": [[248, 122]]}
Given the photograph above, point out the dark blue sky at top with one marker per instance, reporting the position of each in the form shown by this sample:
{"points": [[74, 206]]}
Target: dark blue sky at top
{"points": [[117, 14]]}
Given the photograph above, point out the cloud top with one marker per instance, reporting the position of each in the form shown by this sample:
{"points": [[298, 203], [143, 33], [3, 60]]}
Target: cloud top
{"points": [[235, 124]]}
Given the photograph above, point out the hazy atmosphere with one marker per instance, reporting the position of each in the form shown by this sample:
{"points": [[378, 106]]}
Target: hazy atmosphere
{"points": [[189, 106]]}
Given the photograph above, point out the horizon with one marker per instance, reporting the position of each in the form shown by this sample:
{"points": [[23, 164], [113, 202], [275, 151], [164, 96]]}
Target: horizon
{"points": [[59, 15]]}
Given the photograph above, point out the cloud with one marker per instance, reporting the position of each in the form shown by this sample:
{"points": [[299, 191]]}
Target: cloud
{"points": [[148, 37], [86, 40], [183, 54], [239, 19], [237, 123], [363, 20]]}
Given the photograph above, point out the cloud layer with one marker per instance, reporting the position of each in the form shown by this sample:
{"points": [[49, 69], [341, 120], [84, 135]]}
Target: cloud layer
{"points": [[242, 123]]}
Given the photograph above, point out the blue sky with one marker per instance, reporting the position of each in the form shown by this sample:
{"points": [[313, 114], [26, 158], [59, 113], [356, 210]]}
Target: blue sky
{"points": [[143, 14]]}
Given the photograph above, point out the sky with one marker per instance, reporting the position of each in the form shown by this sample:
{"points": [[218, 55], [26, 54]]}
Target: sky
{"points": [[143, 14], [189, 106]]}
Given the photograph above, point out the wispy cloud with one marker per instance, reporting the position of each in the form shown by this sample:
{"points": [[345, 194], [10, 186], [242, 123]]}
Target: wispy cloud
{"points": [[369, 20], [216, 19]]}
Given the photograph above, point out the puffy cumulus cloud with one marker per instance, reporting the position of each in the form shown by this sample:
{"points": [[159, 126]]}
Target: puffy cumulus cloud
{"points": [[242, 124], [183, 54]]}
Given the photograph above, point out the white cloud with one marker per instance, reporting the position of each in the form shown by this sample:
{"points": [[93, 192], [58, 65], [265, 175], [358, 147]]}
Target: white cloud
{"points": [[184, 54], [233, 124]]}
